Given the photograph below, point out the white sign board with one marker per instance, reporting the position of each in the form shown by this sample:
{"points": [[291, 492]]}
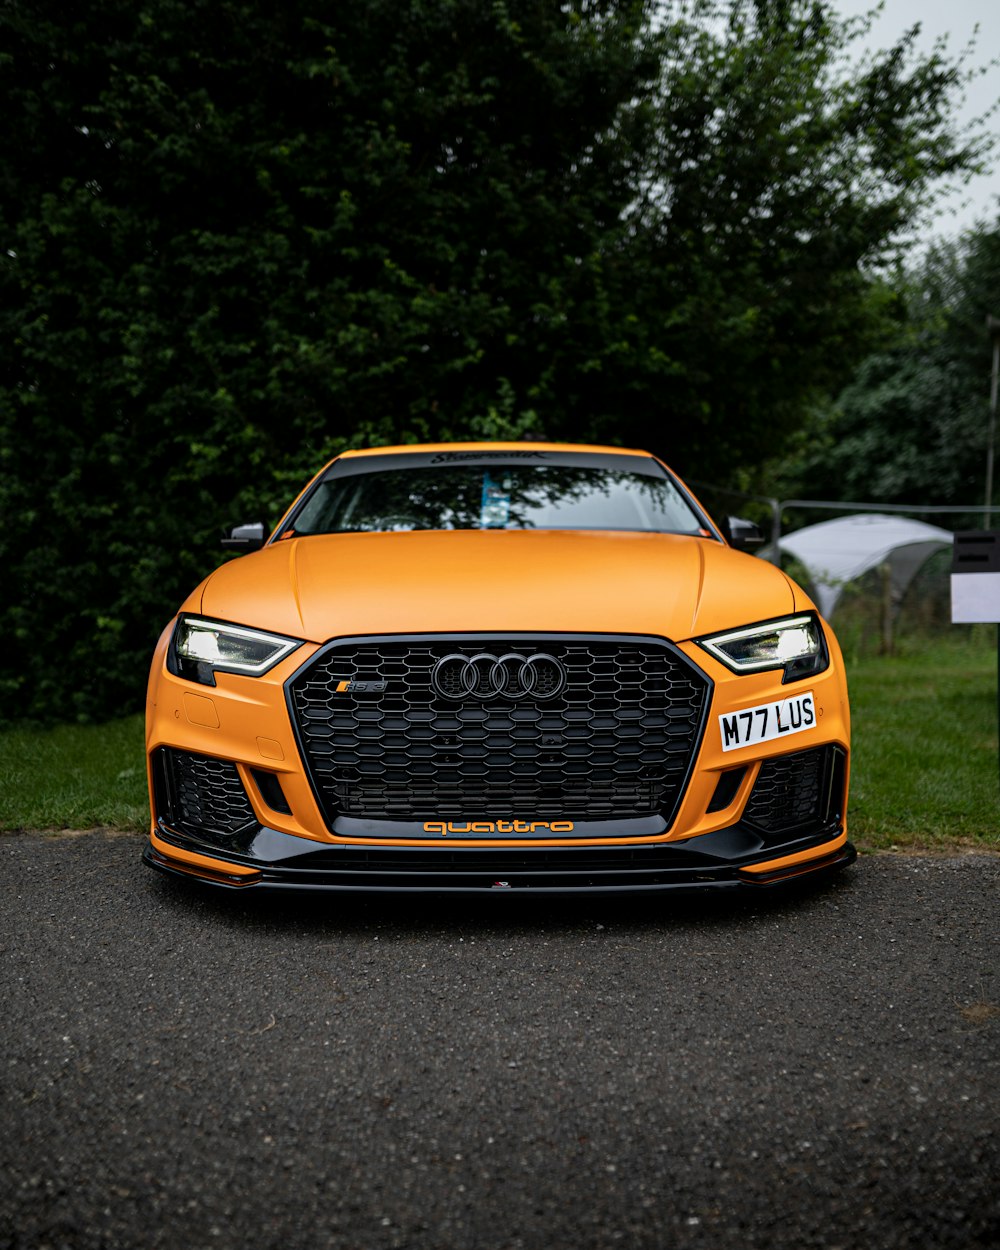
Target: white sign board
{"points": [[975, 578]]}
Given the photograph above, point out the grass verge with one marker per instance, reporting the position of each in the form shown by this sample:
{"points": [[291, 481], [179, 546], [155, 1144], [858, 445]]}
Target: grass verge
{"points": [[74, 777], [924, 761], [924, 770]]}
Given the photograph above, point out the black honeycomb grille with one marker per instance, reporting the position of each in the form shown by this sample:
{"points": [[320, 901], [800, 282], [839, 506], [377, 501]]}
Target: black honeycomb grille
{"points": [[615, 743], [791, 791], [205, 795]]}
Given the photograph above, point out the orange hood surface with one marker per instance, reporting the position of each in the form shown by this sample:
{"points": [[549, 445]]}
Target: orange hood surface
{"points": [[459, 581]]}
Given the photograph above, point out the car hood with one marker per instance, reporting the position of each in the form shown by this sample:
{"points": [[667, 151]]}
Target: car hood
{"points": [[459, 581]]}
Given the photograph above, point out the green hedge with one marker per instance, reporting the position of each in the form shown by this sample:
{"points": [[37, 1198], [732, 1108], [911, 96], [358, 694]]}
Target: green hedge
{"points": [[240, 237]]}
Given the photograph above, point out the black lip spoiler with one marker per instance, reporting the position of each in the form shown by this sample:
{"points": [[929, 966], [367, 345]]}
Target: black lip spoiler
{"points": [[450, 870]]}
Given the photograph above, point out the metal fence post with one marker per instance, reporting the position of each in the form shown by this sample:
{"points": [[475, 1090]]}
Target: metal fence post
{"points": [[993, 326]]}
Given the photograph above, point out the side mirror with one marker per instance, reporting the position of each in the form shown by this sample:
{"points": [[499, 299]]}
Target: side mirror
{"points": [[245, 537], [742, 534]]}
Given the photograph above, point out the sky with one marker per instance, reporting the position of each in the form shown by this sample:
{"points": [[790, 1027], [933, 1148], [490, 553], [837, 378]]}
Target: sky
{"points": [[957, 19]]}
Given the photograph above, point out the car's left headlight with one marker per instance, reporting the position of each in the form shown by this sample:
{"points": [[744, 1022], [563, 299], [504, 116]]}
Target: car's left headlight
{"points": [[794, 643], [202, 647]]}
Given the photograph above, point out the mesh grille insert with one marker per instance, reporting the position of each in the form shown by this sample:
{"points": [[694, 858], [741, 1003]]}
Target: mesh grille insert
{"points": [[790, 791], [615, 742], [205, 794]]}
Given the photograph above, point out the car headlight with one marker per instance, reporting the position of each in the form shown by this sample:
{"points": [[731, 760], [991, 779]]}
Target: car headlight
{"points": [[794, 643], [202, 647]]}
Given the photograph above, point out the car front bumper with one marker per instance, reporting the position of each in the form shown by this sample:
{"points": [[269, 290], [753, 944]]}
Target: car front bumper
{"points": [[234, 803]]}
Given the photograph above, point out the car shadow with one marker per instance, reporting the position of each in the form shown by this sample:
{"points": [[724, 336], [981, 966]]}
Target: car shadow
{"points": [[497, 913]]}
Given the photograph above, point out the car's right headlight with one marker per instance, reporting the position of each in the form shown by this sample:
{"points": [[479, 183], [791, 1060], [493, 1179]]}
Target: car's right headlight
{"points": [[201, 647]]}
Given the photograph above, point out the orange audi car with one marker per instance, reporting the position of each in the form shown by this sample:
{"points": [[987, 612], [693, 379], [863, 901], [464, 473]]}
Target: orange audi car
{"points": [[497, 667]]}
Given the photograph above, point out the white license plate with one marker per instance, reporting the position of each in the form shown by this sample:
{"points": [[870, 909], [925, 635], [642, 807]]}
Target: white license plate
{"points": [[768, 721]]}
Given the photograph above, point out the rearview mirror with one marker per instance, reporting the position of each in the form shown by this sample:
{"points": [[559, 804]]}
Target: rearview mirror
{"points": [[249, 537], [742, 534]]}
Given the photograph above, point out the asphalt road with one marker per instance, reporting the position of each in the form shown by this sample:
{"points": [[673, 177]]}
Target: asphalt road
{"points": [[183, 1068]]}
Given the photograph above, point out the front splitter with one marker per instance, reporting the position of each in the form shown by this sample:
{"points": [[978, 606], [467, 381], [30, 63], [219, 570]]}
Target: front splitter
{"points": [[733, 858]]}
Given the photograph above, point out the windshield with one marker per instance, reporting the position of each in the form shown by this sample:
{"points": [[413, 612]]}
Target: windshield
{"points": [[497, 496]]}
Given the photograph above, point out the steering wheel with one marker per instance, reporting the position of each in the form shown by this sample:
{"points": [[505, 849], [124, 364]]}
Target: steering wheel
{"points": [[397, 521]]}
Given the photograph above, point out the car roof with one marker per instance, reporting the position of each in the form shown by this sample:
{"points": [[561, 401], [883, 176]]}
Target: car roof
{"points": [[493, 446]]}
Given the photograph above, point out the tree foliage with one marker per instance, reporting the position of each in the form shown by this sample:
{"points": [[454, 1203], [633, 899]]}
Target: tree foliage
{"points": [[781, 179], [912, 425], [239, 237]]}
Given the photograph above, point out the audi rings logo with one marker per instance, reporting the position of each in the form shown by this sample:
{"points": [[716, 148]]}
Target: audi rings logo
{"points": [[510, 676]]}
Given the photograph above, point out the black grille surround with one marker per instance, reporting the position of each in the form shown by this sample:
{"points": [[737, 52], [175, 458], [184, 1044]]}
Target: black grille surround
{"points": [[616, 744]]}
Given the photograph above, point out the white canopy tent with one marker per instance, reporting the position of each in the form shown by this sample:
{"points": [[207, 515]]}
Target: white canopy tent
{"points": [[840, 551]]}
